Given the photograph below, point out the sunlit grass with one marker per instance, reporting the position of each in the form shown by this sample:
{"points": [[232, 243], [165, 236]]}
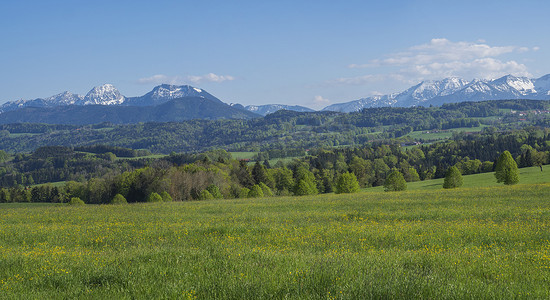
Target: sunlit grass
{"points": [[466, 243]]}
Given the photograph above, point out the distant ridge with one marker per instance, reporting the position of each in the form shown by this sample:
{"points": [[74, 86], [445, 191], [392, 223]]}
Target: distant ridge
{"points": [[174, 110], [271, 108], [452, 90]]}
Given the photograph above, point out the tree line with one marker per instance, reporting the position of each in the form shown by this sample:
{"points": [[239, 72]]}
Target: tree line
{"points": [[214, 174]]}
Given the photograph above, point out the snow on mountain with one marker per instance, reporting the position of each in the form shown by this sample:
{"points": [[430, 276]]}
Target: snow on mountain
{"points": [[65, 98], [452, 90], [542, 85], [105, 94], [271, 108], [166, 92]]}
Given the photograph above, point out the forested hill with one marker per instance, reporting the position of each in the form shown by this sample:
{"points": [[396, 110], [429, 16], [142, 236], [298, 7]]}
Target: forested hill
{"points": [[283, 129]]}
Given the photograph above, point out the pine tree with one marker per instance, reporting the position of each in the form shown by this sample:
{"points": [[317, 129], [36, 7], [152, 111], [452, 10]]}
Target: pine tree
{"points": [[453, 178], [395, 182], [259, 173], [506, 170], [347, 183]]}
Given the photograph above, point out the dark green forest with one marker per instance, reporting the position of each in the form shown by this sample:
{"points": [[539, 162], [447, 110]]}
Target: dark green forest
{"points": [[280, 130]]}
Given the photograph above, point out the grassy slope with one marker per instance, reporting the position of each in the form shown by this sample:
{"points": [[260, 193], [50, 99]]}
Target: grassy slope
{"points": [[530, 175], [466, 243]]}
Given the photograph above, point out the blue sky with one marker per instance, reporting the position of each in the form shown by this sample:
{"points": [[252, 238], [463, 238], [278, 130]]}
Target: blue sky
{"points": [[311, 53]]}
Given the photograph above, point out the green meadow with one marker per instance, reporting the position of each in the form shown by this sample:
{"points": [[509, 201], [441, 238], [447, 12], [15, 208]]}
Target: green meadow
{"points": [[468, 243]]}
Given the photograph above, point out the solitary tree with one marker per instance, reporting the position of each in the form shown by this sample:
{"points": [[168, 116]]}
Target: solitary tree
{"points": [[395, 182], [453, 178], [506, 170], [347, 183]]}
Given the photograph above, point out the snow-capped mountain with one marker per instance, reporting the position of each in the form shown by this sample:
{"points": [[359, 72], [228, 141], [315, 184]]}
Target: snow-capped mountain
{"points": [[452, 90], [166, 92], [543, 84], [271, 108], [105, 94], [65, 98]]}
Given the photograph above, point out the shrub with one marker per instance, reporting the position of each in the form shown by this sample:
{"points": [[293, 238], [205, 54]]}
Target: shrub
{"points": [[119, 199], [205, 195], [166, 197], [76, 201], [266, 190], [154, 197], [215, 191], [243, 193]]}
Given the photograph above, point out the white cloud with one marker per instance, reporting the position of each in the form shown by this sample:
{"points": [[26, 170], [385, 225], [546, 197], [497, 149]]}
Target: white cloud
{"points": [[536, 48], [320, 100], [366, 79], [194, 79], [442, 58], [158, 79], [210, 77]]}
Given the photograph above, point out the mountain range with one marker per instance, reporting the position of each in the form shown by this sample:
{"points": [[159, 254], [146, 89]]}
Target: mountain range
{"points": [[183, 102], [452, 90]]}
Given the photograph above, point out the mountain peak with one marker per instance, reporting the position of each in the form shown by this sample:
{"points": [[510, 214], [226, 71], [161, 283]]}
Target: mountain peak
{"points": [[64, 98], [105, 94]]}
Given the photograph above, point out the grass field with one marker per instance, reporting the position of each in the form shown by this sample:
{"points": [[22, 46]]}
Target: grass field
{"points": [[467, 243], [243, 155], [443, 134]]}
